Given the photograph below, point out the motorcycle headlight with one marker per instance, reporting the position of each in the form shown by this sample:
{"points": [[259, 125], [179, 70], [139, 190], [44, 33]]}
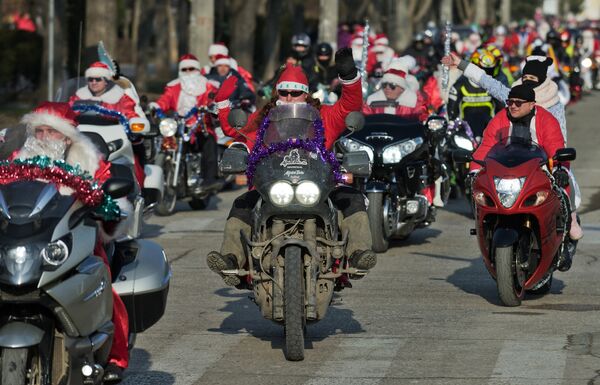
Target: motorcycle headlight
{"points": [[22, 264], [308, 193], [508, 190], [352, 145], [463, 143], [436, 124], [395, 152], [281, 193], [55, 253], [167, 127], [586, 63]]}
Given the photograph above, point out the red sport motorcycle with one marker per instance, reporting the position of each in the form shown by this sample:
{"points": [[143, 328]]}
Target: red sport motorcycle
{"points": [[522, 216]]}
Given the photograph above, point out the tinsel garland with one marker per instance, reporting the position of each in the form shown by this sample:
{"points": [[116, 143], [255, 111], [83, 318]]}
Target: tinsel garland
{"points": [[85, 187], [83, 108], [161, 114], [316, 145]]}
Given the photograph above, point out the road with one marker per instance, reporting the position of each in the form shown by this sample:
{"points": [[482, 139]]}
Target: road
{"points": [[427, 314]]}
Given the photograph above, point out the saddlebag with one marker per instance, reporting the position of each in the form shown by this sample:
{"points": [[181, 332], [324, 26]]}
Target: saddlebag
{"points": [[142, 282]]}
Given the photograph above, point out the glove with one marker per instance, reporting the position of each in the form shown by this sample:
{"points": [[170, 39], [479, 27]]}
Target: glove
{"points": [[226, 89], [561, 176], [344, 64]]}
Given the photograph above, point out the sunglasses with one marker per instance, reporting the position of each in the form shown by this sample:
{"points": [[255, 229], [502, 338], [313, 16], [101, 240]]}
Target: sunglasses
{"points": [[517, 103], [294, 94], [188, 69], [97, 80], [389, 85]]}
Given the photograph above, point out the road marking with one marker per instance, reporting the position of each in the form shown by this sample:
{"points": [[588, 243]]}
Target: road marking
{"points": [[186, 359], [358, 361], [530, 362]]}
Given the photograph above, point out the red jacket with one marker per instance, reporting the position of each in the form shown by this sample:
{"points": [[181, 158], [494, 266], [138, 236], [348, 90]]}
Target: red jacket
{"points": [[114, 99], [411, 105], [545, 132], [169, 100], [333, 116]]}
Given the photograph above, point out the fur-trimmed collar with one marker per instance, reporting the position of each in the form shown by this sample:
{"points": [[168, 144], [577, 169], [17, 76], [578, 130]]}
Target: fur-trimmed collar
{"points": [[111, 96]]}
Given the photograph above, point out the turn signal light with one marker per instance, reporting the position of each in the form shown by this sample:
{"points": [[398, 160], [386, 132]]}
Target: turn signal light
{"points": [[482, 200], [241, 180], [348, 178], [138, 127], [536, 199]]}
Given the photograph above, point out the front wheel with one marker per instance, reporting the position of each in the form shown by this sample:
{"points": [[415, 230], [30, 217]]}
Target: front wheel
{"points": [[199, 204], [293, 292], [509, 290], [378, 221], [166, 205], [14, 366]]}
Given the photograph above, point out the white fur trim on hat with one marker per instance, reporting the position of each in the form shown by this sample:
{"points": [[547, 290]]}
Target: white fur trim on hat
{"points": [[98, 72], [222, 61], [218, 49], [292, 86], [36, 119], [394, 79], [186, 63]]}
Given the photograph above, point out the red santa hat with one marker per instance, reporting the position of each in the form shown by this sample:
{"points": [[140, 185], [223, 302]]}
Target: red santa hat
{"points": [[357, 40], [98, 70], [395, 74], [59, 116], [218, 49], [188, 61], [222, 60], [292, 78], [381, 43]]}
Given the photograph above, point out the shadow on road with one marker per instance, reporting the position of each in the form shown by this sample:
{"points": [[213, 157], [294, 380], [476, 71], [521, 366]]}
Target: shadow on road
{"points": [[245, 317], [459, 206], [139, 371]]}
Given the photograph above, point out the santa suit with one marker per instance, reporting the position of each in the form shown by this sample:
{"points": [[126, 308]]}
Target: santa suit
{"points": [[332, 116], [410, 105], [173, 99], [114, 98]]}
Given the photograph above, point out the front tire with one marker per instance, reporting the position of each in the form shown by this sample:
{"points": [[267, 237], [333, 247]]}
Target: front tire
{"points": [[377, 222], [14, 366], [511, 294], [166, 205], [293, 292], [199, 204]]}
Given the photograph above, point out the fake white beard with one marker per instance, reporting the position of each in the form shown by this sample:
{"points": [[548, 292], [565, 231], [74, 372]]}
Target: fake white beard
{"points": [[54, 149], [192, 85]]}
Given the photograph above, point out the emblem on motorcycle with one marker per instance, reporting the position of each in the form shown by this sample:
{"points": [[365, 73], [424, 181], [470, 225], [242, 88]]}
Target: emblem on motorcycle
{"points": [[293, 159]]}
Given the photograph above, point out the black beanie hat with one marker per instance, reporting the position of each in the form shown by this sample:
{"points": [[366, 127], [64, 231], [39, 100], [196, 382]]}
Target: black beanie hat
{"points": [[537, 66], [523, 92]]}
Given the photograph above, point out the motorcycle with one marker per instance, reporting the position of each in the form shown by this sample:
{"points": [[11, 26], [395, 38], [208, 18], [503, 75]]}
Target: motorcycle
{"points": [[402, 152], [522, 217], [296, 252], [55, 295], [181, 165]]}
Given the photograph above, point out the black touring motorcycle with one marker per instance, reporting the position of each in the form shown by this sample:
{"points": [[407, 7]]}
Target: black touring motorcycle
{"points": [[404, 159], [296, 253]]}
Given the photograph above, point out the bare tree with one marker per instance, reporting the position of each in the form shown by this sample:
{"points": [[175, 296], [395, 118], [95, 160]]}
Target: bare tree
{"points": [[480, 11], [466, 11], [272, 37], [407, 16], [505, 12], [243, 31], [101, 23], [328, 20], [201, 27], [446, 11]]}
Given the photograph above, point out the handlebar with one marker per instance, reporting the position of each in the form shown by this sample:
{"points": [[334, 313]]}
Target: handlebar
{"points": [[83, 108]]}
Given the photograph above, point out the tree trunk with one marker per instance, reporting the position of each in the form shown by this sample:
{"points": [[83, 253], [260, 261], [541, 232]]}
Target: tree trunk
{"points": [[243, 28], [202, 28], [172, 28], [505, 12], [480, 11], [135, 30], [445, 11], [101, 23], [403, 26], [328, 21], [272, 37], [147, 15]]}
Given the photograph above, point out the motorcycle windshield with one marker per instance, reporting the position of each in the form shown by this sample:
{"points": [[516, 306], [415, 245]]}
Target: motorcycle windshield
{"points": [[34, 209], [290, 121], [514, 150], [68, 89]]}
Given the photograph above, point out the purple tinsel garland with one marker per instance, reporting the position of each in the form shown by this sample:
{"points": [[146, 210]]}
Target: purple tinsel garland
{"points": [[316, 145]]}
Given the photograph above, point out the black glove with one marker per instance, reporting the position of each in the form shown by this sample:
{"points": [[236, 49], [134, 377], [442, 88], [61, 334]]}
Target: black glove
{"points": [[561, 176], [344, 64]]}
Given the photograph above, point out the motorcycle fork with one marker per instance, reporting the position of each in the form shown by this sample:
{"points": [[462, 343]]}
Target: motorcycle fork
{"points": [[311, 266], [177, 161]]}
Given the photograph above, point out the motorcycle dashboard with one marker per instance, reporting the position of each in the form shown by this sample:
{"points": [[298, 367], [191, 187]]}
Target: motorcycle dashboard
{"points": [[513, 151]]}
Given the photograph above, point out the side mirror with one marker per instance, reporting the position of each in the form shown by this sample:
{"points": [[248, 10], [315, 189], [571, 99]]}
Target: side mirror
{"points": [[234, 161], [462, 156], [237, 118], [355, 121], [357, 163], [117, 187], [565, 154]]}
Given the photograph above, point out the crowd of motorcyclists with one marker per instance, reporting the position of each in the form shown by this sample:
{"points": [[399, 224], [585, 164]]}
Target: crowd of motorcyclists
{"points": [[512, 81]]}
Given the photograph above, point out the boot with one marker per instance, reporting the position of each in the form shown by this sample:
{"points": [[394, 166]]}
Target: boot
{"points": [[437, 198], [232, 255], [566, 258], [576, 232], [113, 374], [359, 243]]}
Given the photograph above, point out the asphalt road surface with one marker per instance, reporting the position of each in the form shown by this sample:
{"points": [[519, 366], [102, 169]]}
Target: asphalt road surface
{"points": [[427, 314]]}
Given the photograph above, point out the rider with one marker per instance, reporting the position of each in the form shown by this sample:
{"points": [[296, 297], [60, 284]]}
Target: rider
{"points": [[51, 131], [407, 102], [221, 71], [190, 90], [468, 101], [221, 49], [544, 130], [292, 87]]}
